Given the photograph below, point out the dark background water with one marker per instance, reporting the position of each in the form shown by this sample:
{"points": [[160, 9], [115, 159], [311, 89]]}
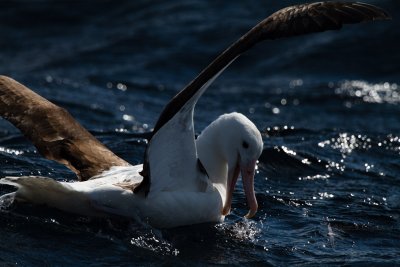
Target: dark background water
{"points": [[327, 104]]}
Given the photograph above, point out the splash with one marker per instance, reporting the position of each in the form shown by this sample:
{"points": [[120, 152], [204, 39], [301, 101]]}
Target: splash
{"points": [[244, 230], [153, 241]]}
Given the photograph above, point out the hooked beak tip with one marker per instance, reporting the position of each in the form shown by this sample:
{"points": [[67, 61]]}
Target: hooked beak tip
{"points": [[225, 211], [250, 214]]}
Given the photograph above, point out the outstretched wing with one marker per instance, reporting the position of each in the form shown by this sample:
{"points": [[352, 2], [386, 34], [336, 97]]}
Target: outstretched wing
{"points": [[173, 142], [54, 132]]}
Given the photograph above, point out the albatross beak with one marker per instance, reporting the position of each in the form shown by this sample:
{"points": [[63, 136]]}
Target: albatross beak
{"points": [[247, 171], [232, 178]]}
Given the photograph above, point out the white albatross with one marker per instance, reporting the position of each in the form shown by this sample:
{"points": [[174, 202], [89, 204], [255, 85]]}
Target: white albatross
{"points": [[182, 180]]}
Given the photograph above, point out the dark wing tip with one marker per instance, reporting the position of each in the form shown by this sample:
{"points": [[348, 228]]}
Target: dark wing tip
{"points": [[380, 13], [318, 17]]}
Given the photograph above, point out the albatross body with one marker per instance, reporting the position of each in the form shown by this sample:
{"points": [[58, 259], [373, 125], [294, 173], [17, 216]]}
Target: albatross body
{"points": [[174, 201], [182, 180]]}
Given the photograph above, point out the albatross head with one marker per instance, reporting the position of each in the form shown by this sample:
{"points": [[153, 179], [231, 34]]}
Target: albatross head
{"points": [[233, 145]]}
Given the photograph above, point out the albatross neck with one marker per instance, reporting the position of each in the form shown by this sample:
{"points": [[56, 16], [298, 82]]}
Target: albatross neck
{"points": [[211, 152]]}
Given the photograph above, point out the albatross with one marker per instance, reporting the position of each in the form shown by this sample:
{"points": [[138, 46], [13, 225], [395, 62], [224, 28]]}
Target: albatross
{"points": [[182, 180]]}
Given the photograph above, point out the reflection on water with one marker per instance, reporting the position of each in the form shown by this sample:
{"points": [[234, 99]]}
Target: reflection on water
{"points": [[328, 179], [372, 93]]}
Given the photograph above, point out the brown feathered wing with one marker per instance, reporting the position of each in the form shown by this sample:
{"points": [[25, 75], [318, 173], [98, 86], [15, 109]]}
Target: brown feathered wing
{"points": [[54, 132]]}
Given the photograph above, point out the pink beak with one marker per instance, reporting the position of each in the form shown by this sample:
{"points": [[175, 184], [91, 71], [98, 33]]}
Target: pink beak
{"points": [[247, 171]]}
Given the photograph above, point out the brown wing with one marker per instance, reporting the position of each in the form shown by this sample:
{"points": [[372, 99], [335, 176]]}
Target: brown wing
{"points": [[287, 22], [317, 17], [54, 132]]}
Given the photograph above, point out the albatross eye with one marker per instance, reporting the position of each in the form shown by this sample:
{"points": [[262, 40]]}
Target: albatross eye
{"points": [[245, 145]]}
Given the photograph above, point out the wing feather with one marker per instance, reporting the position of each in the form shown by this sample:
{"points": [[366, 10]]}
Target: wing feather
{"points": [[54, 132], [59, 137], [287, 22]]}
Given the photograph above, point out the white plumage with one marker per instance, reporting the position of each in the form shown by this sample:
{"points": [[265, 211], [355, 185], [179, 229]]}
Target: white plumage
{"points": [[174, 199], [183, 181]]}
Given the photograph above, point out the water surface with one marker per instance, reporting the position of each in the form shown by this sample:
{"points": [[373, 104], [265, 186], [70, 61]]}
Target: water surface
{"points": [[327, 105]]}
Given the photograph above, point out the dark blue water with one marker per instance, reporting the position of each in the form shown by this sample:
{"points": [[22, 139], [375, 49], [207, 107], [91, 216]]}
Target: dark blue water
{"points": [[327, 104]]}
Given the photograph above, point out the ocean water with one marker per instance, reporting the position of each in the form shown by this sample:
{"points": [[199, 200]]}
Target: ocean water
{"points": [[327, 105]]}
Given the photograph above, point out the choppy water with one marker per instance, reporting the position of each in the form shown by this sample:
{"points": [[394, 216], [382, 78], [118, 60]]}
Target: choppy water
{"points": [[327, 104]]}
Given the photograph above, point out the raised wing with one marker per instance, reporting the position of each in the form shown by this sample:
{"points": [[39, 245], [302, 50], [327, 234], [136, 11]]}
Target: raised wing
{"points": [[171, 154], [54, 132], [173, 133]]}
